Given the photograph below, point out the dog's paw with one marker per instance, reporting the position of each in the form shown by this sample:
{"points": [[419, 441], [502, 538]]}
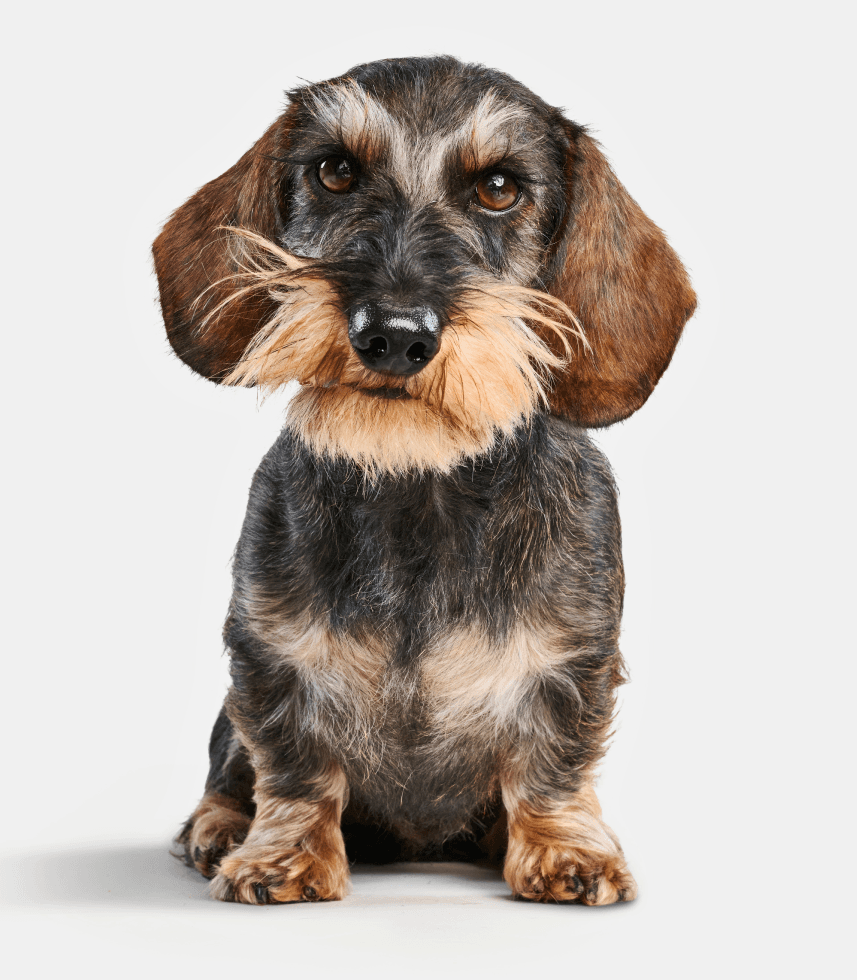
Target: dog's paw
{"points": [[266, 877], [215, 828], [548, 874]]}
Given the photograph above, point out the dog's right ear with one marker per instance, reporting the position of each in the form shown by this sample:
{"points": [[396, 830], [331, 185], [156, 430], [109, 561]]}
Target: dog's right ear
{"points": [[194, 261], [627, 287]]}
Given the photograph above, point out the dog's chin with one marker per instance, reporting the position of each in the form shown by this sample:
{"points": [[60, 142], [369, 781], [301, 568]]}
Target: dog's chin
{"points": [[389, 430]]}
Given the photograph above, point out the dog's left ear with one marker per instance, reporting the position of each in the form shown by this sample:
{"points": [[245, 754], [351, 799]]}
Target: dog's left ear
{"points": [[625, 284], [195, 263]]}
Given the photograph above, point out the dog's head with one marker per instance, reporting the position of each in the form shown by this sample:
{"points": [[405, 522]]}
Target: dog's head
{"points": [[433, 253]]}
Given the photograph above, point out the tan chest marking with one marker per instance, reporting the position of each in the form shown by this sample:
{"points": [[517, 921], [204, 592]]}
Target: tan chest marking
{"points": [[336, 663], [468, 680], [466, 683]]}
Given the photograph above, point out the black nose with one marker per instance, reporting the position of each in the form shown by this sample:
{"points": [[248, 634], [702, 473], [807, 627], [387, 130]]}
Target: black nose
{"points": [[394, 340]]}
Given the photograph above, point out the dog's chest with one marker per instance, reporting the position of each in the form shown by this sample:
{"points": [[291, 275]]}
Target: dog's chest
{"points": [[422, 619], [416, 558], [463, 684], [435, 727]]}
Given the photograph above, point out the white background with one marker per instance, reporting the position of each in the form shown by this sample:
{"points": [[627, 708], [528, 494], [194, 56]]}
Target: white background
{"points": [[730, 779]]}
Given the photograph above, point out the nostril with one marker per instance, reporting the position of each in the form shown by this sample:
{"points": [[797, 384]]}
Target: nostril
{"points": [[417, 353], [377, 347]]}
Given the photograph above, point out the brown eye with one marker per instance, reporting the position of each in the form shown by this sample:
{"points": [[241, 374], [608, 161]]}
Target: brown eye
{"points": [[336, 175], [497, 192]]}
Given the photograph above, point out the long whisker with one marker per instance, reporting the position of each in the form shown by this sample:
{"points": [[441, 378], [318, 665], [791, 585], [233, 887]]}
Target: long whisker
{"points": [[498, 357]]}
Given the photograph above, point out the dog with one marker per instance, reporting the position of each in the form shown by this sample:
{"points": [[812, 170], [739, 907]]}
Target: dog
{"points": [[428, 584]]}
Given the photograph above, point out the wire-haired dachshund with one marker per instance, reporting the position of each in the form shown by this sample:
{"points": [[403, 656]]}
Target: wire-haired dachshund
{"points": [[428, 584]]}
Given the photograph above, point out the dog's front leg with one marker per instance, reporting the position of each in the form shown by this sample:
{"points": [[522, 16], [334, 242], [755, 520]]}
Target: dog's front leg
{"points": [[294, 851], [560, 850]]}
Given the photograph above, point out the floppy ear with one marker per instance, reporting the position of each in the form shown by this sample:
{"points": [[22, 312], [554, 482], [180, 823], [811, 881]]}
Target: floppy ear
{"points": [[625, 284], [193, 257]]}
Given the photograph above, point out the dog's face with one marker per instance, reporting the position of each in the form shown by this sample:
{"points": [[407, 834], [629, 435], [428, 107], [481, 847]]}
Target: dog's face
{"points": [[419, 243], [421, 182]]}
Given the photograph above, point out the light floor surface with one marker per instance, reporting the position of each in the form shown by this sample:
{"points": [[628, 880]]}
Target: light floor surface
{"points": [[134, 911]]}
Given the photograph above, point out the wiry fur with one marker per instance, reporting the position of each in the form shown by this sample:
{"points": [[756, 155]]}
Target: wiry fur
{"points": [[489, 377], [428, 585], [561, 850], [294, 850]]}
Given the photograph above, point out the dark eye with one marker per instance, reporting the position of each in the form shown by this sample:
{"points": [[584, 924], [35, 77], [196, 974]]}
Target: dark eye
{"points": [[497, 192], [336, 175]]}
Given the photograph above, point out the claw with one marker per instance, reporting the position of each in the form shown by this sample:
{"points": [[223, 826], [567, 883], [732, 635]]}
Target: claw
{"points": [[262, 895]]}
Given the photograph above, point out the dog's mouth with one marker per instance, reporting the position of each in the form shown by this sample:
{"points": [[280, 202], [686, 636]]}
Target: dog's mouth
{"points": [[387, 394]]}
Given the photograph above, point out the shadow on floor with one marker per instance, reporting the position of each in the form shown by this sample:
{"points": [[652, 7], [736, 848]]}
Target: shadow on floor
{"points": [[147, 876], [140, 876]]}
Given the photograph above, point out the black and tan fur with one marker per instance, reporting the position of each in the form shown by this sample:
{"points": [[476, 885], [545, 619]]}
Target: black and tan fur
{"points": [[428, 584]]}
